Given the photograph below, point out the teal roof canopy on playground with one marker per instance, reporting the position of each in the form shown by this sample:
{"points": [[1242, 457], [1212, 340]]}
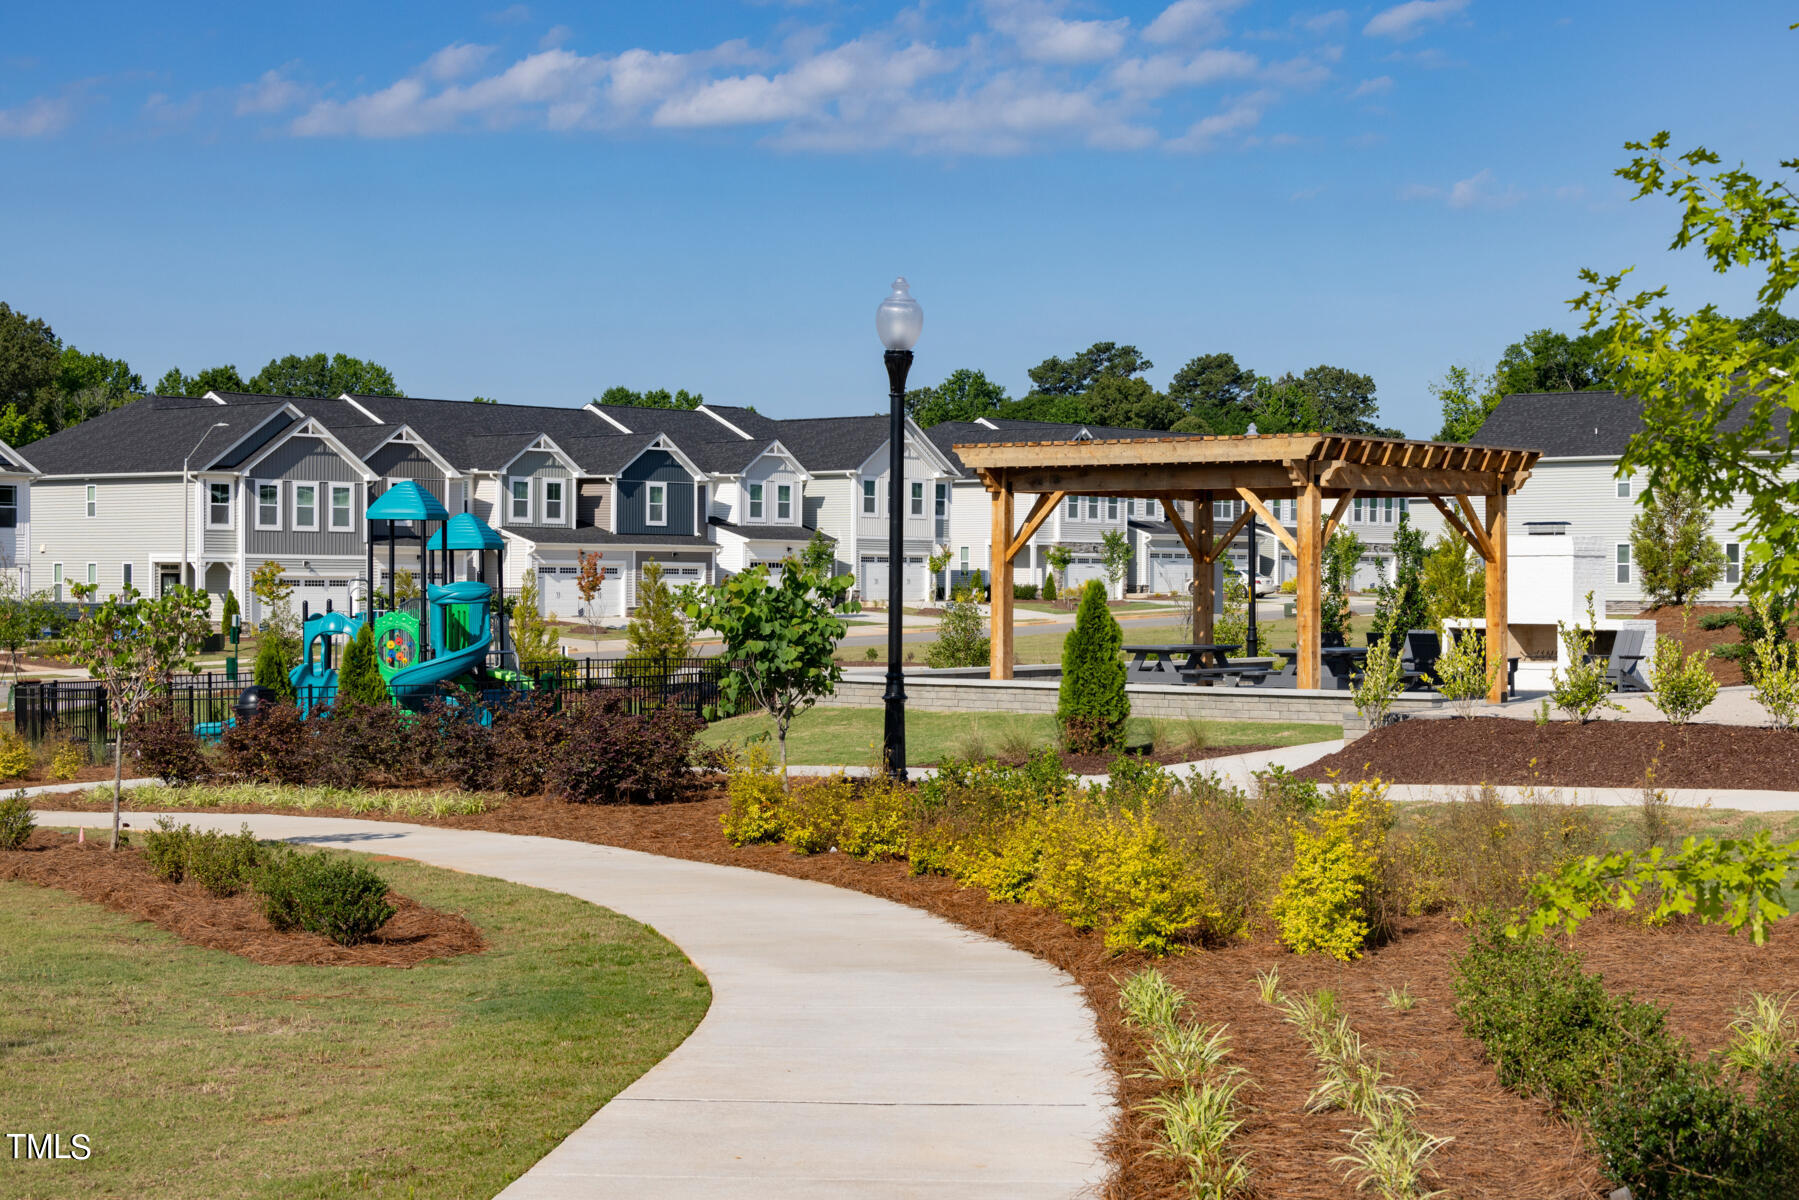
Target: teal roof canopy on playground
{"points": [[407, 501], [467, 532]]}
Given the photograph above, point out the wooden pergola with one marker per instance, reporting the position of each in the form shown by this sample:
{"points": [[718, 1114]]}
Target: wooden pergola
{"points": [[1311, 469]]}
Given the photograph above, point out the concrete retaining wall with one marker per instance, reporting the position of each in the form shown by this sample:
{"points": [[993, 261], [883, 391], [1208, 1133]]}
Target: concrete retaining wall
{"points": [[933, 693]]}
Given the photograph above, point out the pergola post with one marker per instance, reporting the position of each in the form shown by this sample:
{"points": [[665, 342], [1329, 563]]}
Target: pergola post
{"points": [[1309, 597], [1000, 609], [1498, 622], [1203, 600]]}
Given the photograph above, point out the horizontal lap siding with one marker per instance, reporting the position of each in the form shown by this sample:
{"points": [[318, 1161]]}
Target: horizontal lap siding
{"points": [[136, 521]]}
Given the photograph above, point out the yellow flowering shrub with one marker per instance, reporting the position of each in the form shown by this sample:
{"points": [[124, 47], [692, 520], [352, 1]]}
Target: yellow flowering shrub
{"points": [[1326, 898], [754, 813], [16, 756], [814, 814], [876, 822], [67, 760], [1117, 871]]}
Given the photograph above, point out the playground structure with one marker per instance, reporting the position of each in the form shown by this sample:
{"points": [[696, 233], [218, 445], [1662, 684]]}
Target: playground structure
{"points": [[445, 639]]}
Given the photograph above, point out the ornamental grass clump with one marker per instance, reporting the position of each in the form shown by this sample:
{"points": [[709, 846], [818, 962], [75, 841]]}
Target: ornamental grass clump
{"points": [[1092, 707]]}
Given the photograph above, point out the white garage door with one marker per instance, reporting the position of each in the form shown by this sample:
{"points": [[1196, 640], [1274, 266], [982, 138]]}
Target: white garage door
{"points": [[313, 593], [1170, 572], [915, 576], [561, 592], [674, 576], [1084, 568], [872, 578]]}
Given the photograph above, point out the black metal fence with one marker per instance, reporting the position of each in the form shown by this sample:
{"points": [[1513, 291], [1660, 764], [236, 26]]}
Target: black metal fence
{"points": [[76, 709]]}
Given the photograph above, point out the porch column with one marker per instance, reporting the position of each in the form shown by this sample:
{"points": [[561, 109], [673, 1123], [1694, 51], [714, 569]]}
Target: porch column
{"points": [[1311, 513], [1203, 598], [1498, 635], [1000, 609]]}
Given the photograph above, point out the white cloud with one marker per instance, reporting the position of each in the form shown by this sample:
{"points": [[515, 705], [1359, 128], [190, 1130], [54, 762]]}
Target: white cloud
{"points": [[1406, 20], [1476, 191], [1378, 86], [1325, 22], [1239, 116], [455, 61], [272, 93], [1042, 36], [858, 67], [41, 117], [1162, 73], [1190, 21], [517, 14]]}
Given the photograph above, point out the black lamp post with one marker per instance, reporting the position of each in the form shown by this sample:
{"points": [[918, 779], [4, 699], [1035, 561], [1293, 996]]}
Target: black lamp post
{"points": [[1255, 642], [899, 320]]}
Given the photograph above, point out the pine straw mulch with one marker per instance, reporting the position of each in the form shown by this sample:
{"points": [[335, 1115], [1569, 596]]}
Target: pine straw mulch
{"points": [[1618, 754], [1505, 1147], [122, 881]]}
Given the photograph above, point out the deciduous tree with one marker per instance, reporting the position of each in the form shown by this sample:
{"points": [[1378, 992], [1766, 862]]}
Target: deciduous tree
{"points": [[655, 398], [1115, 555], [588, 581], [964, 396], [534, 639], [1467, 397]]}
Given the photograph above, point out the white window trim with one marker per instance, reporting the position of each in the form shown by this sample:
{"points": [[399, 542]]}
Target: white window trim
{"points": [[754, 508], [561, 503], [1622, 566], [1111, 508], [1074, 508], [57, 575], [1733, 563], [316, 524], [91, 500], [650, 503], [917, 509], [783, 502], [93, 574], [331, 507], [871, 498], [125, 575], [1623, 489], [258, 485], [513, 516], [230, 507]]}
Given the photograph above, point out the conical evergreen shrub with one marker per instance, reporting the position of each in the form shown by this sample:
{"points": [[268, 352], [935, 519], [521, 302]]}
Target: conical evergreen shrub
{"points": [[359, 675], [1093, 708]]}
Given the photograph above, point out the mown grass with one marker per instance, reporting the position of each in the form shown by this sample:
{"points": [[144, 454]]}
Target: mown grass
{"points": [[198, 1073], [852, 736], [400, 802]]}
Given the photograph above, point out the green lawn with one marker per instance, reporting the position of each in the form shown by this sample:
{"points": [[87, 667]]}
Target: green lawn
{"points": [[852, 736], [197, 1073]]}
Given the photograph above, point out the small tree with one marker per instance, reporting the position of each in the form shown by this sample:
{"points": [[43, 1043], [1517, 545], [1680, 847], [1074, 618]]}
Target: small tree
{"points": [[1462, 674], [1341, 554], [1092, 706], [1776, 681], [359, 681], [962, 639], [1231, 627], [656, 631], [1672, 547], [1116, 554], [780, 636], [1401, 606], [819, 555], [588, 581], [1681, 684], [1454, 584], [939, 563], [272, 667], [1048, 591], [1382, 679], [23, 616], [533, 637], [1058, 558], [406, 587], [276, 596], [1583, 689], [228, 613], [132, 644]]}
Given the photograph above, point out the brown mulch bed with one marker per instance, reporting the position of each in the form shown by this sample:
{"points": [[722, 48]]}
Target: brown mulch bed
{"points": [[1505, 1147], [1501, 750], [235, 924], [1669, 623]]}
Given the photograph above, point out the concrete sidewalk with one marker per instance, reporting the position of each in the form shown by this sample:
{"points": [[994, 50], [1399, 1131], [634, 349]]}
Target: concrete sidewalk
{"points": [[855, 1047]]}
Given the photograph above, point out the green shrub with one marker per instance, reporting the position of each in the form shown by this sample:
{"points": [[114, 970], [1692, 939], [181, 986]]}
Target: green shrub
{"points": [[1551, 1029], [814, 812], [1024, 591], [1327, 898], [321, 893], [15, 821], [962, 639], [1049, 588], [16, 756], [1117, 872], [875, 822], [164, 745], [359, 679], [1381, 680], [274, 659], [224, 864], [1582, 690], [1681, 684], [1775, 680], [1092, 706], [67, 759], [754, 812], [1462, 675]]}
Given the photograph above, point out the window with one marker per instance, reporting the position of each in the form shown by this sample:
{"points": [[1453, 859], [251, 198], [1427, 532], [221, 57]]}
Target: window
{"points": [[755, 502], [784, 501], [965, 560], [343, 516], [125, 574], [1623, 562], [93, 573], [1093, 508], [868, 498], [917, 499], [1224, 510], [306, 506], [91, 503], [1074, 508], [552, 501], [9, 506], [521, 501], [56, 582], [657, 504], [268, 506], [1130, 508], [1733, 562], [1355, 510], [1405, 506], [1111, 508], [218, 505], [1387, 509], [1624, 489], [942, 501]]}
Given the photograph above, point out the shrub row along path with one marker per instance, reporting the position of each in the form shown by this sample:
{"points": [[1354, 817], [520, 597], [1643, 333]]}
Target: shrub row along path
{"points": [[854, 1046]]}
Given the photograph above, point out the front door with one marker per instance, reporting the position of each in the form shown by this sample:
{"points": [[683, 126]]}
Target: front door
{"points": [[170, 580]]}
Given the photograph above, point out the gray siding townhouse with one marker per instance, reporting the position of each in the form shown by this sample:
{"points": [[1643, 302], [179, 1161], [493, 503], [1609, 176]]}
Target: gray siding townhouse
{"points": [[16, 474]]}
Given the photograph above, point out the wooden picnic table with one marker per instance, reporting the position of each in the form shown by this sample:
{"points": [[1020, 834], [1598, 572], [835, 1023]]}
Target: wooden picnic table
{"points": [[1340, 661]]}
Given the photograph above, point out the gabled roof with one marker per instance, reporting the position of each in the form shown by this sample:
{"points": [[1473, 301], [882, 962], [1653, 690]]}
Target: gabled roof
{"points": [[946, 435], [1564, 424], [307, 427], [768, 533], [12, 460], [832, 443], [151, 436], [449, 425]]}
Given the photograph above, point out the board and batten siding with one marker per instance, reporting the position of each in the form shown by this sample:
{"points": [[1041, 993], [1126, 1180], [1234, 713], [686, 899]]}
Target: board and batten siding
{"points": [[655, 466], [303, 460], [135, 520]]}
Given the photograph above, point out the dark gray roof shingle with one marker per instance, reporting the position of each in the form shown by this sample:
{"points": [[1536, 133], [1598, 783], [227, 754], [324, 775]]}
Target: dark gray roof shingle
{"points": [[1580, 424], [147, 436]]}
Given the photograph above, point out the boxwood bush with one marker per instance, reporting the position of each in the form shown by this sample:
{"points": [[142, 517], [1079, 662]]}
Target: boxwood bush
{"points": [[321, 893]]}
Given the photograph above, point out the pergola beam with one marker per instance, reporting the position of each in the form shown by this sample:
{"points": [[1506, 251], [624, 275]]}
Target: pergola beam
{"points": [[1033, 521], [1330, 522], [1455, 523], [1280, 531], [1481, 540]]}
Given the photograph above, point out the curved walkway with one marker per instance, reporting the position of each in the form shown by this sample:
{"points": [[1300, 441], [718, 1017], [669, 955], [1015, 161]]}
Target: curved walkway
{"points": [[854, 1047]]}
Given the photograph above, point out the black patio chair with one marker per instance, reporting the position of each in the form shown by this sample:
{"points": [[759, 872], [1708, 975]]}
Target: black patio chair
{"points": [[1422, 648]]}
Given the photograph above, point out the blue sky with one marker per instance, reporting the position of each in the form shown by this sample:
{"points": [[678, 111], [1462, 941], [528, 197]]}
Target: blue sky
{"points": [[538, 201]]}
